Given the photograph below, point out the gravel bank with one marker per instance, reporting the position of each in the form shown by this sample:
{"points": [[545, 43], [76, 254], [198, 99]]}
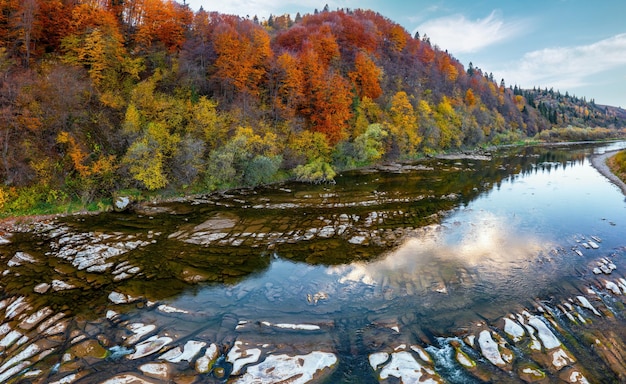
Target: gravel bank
{"points": [[599, 163]]}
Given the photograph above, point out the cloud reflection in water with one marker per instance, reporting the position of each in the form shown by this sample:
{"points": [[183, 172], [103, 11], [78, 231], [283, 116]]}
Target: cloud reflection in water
{"points": [[487, 248]]}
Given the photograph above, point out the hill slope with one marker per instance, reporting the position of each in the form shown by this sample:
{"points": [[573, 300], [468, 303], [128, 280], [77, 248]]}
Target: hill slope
{"points": [[102, 96]]}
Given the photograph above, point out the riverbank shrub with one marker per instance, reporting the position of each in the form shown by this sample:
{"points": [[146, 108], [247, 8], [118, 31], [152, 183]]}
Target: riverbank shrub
{"points": [[617, 163]]}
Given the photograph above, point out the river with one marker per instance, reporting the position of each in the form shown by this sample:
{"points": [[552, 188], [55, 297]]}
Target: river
{"points": [[502, 267]]}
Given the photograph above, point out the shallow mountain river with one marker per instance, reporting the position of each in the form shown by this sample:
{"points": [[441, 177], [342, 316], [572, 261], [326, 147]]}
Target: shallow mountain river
{"points": [[506, 267]]}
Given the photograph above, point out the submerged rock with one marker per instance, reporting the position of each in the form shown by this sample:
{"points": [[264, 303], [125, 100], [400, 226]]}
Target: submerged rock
{"points": [[404, 367], [156, 370], [150, 346], [41, 288], [299, 369], [239, 356], [126, 378], [191, 349]]}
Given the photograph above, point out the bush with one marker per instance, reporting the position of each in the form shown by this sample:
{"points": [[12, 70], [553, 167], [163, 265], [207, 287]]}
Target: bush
{"points": [[261, 170], [317, 171]]}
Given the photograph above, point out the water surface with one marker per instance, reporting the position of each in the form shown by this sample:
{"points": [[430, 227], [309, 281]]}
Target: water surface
{"points": [[420, 255]]}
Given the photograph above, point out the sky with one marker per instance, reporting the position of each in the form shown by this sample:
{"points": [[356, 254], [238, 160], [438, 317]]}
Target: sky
{"points": [[574, 46]]}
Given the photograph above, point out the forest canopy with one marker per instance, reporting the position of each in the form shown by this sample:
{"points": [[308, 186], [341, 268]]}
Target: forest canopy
{"points": [[98, 96]]}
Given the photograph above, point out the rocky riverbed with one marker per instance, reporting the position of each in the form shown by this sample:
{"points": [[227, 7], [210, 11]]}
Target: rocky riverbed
{"points": [[394, 275]]}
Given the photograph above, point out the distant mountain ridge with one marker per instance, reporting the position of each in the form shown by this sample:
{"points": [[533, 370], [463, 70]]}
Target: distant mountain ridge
{"points": [[563, 109]]}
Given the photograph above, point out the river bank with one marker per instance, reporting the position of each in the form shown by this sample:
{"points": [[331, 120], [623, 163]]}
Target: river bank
{"points": [[23, 223], [599, 162]]}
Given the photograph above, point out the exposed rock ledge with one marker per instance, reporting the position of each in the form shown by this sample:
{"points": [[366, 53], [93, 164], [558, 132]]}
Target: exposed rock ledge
{"points": [[599, 163]]}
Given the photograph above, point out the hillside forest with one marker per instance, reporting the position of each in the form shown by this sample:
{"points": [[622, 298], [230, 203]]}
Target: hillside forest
{"points": [[101, 96]]}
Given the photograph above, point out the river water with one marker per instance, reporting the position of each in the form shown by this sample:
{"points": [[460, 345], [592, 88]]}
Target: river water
{"points": [[505, 267]]}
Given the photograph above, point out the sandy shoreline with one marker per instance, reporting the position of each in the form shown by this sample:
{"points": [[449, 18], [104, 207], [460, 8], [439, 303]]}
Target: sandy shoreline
{"points": [[599, 163]]}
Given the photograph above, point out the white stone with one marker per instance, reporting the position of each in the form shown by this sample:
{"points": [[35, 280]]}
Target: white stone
{"points": [[288, 369], [546, 336], [139, 330], [59, 285], [203, 363], [56, 328], [190, 350], [120, 298], [171, 354], [41, 288], [16, 307], [377, 359], [302, 327], [586, 304], [36, 318], [149, 346], [489, 348], [127, 378], [357, 240], [464, 360], [611, 286], [513, 329], [6, 375], [577, 378], [10, 338], [121, 202], [19, 258], [560, 359], [44, 326], [5, 328], [406, 368], [99, 268], [18, 359], [156, 370], [239, 357], [422, 353], [122, 276], [170, 309]]}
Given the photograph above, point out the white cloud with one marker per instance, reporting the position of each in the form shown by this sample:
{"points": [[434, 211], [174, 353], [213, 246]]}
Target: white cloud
{"points": [[566, 67], [459, 35]]}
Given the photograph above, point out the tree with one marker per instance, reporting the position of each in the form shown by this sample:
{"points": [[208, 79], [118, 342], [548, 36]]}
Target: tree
{"points": [[242, 60], [162, 22], [289, 79], [327, 99], [449, 124], [403, 127], [365, 77], [27, 24], [369, 146]]}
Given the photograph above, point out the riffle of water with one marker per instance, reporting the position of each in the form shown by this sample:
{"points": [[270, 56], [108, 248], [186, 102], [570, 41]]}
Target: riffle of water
{"points": [[504, 268]]}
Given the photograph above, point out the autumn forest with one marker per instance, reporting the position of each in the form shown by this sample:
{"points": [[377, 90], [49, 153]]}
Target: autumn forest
{"points": [[100, 96]]}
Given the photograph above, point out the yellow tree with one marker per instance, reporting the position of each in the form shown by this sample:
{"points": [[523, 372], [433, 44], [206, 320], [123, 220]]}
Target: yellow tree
{"points": [[403, 125], [449, 124]]}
